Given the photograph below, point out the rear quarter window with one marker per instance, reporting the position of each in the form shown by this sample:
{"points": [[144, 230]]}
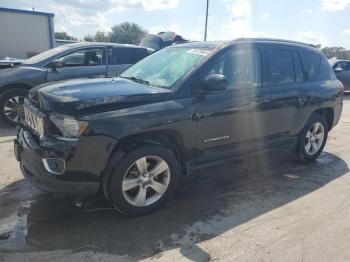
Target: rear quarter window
{"points": [[326, 71], [311, 65]]}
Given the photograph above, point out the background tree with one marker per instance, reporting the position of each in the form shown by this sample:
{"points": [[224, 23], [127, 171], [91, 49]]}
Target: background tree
{"points": [[88, 38], [338, 52], [126, 33], [101, 37], [64, 36]]}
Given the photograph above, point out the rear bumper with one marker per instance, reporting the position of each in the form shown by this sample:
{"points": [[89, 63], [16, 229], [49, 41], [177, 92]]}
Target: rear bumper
{"points": [[77, 179], [338, 109]]}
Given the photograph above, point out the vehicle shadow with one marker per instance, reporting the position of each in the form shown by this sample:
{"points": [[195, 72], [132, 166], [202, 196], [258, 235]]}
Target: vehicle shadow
{"points": [[209, 203]]}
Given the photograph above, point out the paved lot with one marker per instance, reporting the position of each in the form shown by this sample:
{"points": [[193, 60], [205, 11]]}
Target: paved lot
{"points": [[262, 208]]}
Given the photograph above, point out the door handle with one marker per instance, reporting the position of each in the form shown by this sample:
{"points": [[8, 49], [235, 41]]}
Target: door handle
{"points": [[196, 116]]}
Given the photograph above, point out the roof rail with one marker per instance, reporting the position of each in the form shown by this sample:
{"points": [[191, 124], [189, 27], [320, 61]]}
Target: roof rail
{"points": [[275, 40]]}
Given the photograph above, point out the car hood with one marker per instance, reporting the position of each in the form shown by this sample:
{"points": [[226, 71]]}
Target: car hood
{"points": [[95, 95], [6, 63]]}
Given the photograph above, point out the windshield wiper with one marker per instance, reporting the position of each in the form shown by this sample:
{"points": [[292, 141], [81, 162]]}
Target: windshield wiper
{"points": [[135, 79]]}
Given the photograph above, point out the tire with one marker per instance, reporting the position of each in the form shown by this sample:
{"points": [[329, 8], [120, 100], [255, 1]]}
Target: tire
{"points": [[128, 198], [310, 147], [13, 97]]}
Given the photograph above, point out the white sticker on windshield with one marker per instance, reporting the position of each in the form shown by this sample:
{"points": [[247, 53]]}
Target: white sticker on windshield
{"points": [[197, 51]]}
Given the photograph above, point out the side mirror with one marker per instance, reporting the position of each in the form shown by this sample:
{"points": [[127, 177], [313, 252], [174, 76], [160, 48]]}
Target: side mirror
{"points": [[56, 64], [338, 70], [214, 82]]}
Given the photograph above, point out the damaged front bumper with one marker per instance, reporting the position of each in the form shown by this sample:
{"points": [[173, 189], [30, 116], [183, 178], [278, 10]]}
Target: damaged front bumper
{"points": [[67, 167]]}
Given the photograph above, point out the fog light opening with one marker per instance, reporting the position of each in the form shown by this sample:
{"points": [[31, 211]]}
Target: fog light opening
{"points": [[54, 165]]}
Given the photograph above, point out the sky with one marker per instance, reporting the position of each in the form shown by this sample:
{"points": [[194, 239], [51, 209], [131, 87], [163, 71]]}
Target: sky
{"points": [[325, 22]]}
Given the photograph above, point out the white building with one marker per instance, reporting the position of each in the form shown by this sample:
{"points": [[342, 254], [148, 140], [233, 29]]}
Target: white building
{"points": [[25, 33]]}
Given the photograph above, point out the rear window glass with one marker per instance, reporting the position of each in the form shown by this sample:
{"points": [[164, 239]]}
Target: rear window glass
{"points": [[311, 65], [281, 67], [121, 56]]}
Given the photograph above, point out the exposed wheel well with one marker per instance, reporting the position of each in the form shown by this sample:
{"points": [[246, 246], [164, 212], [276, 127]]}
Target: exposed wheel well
{"points": [[167, 138], [11, 86], [328, 113]]}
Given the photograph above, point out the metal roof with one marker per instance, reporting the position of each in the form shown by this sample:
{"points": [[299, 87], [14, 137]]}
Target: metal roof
{"points": [[274, 40], [26, 12], [215, 44]]}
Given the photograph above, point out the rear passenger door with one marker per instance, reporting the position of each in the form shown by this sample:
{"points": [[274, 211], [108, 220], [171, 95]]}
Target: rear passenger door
{"points": [[120, 58], [285, 86]]}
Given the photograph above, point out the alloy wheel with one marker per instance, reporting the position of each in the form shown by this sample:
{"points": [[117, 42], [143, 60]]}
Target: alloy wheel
{"points": [[13, 108], [314, 138], [146, 181]]}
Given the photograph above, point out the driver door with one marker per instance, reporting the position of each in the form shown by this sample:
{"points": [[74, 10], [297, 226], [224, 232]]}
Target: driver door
{"points": [[234, 118], [82, 63]]}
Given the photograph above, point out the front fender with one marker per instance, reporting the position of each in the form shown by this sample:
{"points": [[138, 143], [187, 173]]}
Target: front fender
{"points": [[22, 76], [166, 116]]}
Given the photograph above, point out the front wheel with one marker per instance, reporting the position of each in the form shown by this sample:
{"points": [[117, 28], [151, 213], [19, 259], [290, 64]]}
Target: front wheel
{"points": [[313, 138], [11, 105], [143, 180]]}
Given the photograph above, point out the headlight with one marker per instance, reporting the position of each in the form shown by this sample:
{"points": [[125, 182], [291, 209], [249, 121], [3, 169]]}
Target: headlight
{"points": [[69, 126]]}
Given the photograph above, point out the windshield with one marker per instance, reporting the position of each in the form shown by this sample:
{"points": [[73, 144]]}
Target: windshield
{"points": [[45, 55], [164, 68]]}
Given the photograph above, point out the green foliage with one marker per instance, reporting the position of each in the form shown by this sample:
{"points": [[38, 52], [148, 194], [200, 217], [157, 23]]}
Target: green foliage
{"points": [[64, 36], [101, 37], [126, 33], [338, 52], [89, 38]]}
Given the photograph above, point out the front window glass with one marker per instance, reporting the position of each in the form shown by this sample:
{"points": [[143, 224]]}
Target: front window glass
{"points": [[242, 68], [84, 57], [164, 68], [45, 55]]}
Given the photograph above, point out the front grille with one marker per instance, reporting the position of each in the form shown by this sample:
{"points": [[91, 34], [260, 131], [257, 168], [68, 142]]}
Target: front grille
{"points": [[33, 118]]}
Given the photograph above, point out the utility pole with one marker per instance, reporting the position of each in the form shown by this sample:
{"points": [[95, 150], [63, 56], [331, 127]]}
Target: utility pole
{"points": [[206, 22]]}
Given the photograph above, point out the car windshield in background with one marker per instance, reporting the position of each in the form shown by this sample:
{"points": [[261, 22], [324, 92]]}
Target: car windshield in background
{"points": [[164, 68], [151, 41], [45, 55]]}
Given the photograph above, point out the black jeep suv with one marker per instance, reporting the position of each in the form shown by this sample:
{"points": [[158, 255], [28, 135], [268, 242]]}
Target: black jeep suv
{"points": [[177, 110]]}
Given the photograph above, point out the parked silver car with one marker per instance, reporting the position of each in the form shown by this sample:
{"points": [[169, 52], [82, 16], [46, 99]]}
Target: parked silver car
{"points": [[77, 60]]}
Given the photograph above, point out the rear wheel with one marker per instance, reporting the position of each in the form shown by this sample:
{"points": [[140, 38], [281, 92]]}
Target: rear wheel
{"points": [[313, 137], [11, 105], [143, 180]]}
